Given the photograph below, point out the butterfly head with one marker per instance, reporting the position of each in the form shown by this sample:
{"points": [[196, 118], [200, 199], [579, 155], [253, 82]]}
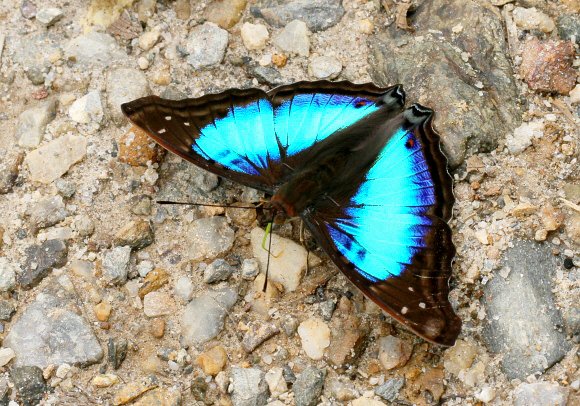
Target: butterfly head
{"points": [[282, 209]]}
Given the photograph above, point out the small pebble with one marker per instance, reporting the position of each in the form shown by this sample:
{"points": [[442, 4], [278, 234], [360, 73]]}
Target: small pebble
{"points": [[148, 39], [6, 355], [157, 327], [394, 352], [218, 270], [136, 148], [547, 66], [213, 361], [315, 337], [294, 39], [533, 19], [157, 304], [254, 36], [105, 380], [103, 311], [324, 67]]}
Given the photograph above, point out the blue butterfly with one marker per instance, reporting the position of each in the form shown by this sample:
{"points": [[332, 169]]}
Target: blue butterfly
{"points": [[366, 176]]}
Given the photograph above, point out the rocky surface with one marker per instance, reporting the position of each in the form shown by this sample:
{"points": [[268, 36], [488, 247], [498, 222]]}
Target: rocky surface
{"points": [[454, 50], [524, 323], [111, 298]]}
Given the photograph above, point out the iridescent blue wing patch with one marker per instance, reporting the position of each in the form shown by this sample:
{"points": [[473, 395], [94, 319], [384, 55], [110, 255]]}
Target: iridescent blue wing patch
{"points": [[250, 136], [391, 237]]}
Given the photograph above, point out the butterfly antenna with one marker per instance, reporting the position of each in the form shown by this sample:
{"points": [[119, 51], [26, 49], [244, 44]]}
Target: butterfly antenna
{"points": [[226, 206], [269, 234]]}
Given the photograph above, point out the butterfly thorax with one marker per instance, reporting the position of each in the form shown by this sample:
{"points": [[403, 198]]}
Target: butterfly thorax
{"points": [[330, 173]]}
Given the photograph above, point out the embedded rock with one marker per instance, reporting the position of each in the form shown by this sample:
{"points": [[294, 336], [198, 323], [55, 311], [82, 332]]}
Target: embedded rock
{"points": [[525, 331], [464, 95]]}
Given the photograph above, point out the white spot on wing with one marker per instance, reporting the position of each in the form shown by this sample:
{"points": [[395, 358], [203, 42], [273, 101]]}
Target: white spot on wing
{"points": [[162, 131], [168, 118], [186, 123], [422, 305], [411, 289], [404, 310]]}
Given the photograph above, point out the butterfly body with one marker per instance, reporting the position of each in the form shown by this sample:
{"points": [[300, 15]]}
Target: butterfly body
{"points": [[366, 176]]}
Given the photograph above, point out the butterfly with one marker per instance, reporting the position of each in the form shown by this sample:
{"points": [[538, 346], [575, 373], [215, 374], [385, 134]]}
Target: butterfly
{"points": [[366, 175]]}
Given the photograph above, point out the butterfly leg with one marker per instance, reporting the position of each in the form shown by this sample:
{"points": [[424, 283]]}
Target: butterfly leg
{"points": [[269, 234], [303, 242]]}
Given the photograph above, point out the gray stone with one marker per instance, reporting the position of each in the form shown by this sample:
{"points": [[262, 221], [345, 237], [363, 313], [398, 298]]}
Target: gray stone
{"points": [[47, 212], [95, 49], [171, 92], [540, 393], [50, 331], [317, 14], [117, 351], [267, 75], [66, 188], [389, 390], [7, 309], [116, 265], [250, 269], [29, 384], [141, 205], [203, 318], [48, 16], [294, 39], [569, 27], [36, 74], [84, 226], [124, 85], [435, 74], [5, 391], [210, 237], [522, 318], [308, 386], [32, 123], [324, 67], [7, 275], [184, 288], [572, 320], [28, 9], [206, 45], [9, 170], [40, 260], [327, 309], [249, 387], [177, 180], [218, 270], [34, 50]]}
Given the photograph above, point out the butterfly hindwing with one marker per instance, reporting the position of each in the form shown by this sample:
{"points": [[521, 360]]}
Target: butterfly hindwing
{"points": [[249, 135], [391, 238]]}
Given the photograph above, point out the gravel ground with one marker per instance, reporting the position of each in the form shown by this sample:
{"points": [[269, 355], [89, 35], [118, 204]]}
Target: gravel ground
{"points": [[109, 298]]}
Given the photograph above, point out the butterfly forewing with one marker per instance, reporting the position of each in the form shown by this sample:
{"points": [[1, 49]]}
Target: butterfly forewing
{"points": [[249, 135]]}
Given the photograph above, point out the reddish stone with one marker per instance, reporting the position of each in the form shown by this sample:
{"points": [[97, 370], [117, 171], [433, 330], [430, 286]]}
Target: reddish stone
{"points": [[136, 148], [547, 66]]}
